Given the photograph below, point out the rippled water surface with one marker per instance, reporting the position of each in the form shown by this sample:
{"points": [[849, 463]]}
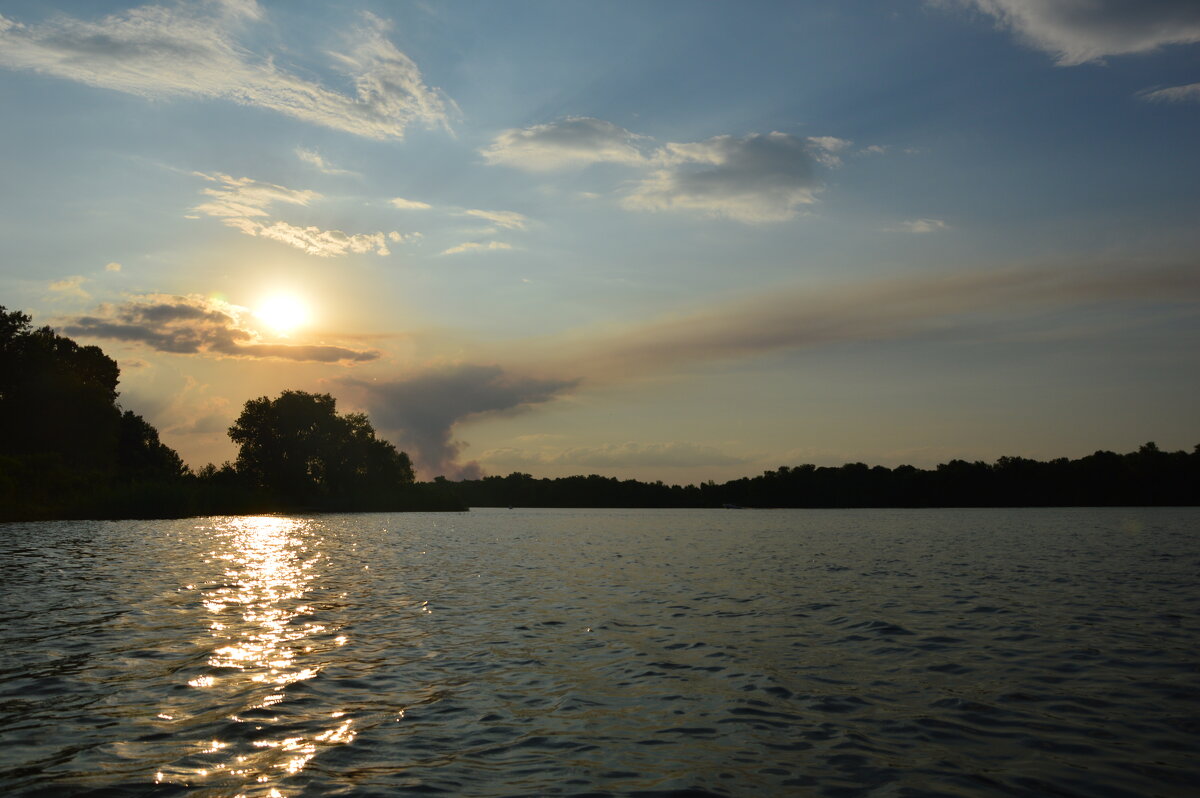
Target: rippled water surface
{"points": [[605, 652]]}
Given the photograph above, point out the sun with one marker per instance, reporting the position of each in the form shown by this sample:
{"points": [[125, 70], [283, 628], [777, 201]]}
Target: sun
{"points": [[283, 313]]}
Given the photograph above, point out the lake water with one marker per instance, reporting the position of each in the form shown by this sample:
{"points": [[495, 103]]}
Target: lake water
{"points": [[605, 652]]}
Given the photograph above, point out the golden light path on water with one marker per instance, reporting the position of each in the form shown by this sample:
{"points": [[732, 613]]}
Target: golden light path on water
{"points": [[981, 652], [263, 643]]}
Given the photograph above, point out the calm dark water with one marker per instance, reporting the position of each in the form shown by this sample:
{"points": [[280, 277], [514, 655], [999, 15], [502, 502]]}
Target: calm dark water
{"points": [[837, 653]]}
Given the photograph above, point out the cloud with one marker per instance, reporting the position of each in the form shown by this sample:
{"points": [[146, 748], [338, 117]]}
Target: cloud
{"points": [[112, 267], [918, 226], [211, 424], [244, 196], [1078, 31], [675, 454], [475, 246], [1173, 94], [196, 325], [887, 309], [314, 240], [422, 409], [314, 159], [573, 142], [409, 205], [239, 202], [509, 220], [755, 179], [72, 286], [193, 49], [193, 411], [826, 148]]}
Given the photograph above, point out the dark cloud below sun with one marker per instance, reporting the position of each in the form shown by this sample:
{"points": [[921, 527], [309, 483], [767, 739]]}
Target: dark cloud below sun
{"points": [[191, 325]]}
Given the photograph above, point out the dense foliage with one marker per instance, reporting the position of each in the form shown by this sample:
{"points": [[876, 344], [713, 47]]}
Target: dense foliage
{"points": [[1148, 476], [66, 446], [68, 449], [297, 449]]}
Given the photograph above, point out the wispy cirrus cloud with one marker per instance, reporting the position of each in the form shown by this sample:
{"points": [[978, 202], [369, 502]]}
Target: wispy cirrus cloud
{"points": [[476, 246], [508, 220], [1173, 94], [409, 205], [918, 226], [499, 222], [318, 162], [241, 202], [234, 197], [315, 241], [1080, 31], [202, 50], [197, 325], [573, 142]]}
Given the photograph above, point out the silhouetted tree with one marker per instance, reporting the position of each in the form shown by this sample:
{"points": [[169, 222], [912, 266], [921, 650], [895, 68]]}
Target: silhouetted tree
{"points": [[140, 454], [56, 397], [1148, 476], [66, 447], [68, 450], [298, 448]]}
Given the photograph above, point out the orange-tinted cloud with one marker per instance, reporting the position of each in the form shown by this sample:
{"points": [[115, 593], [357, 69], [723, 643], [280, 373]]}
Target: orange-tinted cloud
{"points": [[193, 325]]}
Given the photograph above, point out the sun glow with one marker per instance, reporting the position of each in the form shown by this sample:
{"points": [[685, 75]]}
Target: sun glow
{"points": [[283, 313]]}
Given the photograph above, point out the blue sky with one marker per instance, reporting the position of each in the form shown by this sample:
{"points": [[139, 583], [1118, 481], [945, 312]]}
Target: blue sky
{"points": [[668, 240]]}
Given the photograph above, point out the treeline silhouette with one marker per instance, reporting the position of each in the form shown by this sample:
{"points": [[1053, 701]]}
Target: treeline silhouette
{"points": [[68, 449], [1148, 476]]}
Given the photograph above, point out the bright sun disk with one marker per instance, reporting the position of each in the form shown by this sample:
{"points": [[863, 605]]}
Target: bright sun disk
{"points": [[283, 313]]}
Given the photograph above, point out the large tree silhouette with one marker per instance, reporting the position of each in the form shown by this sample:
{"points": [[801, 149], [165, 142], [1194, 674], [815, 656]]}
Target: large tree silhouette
{"points": [[66, 447], [299, 449], [56, 397]]}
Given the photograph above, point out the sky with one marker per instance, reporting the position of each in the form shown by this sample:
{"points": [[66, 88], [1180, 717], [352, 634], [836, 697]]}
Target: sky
{"points": [[658, 240]]}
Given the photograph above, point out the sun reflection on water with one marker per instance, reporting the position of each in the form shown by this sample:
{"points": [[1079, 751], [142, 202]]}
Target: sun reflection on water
{"points": [[264, 639]]}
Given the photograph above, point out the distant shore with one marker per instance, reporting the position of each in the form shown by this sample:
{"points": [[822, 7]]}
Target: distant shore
{"points": [[1148, 477]]}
